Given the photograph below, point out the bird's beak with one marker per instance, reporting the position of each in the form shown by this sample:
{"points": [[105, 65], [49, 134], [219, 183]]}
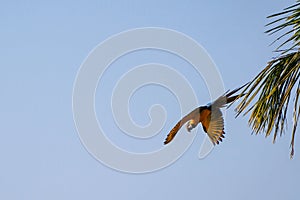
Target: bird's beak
{"points": [[189, 127]]}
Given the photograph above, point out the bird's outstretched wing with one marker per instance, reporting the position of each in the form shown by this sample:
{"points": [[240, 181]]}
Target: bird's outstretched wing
{"points": [[213, 125], [175, 129]]}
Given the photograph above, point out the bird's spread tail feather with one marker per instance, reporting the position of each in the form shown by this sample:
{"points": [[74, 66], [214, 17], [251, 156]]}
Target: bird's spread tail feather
{"points": [[227, 98]]}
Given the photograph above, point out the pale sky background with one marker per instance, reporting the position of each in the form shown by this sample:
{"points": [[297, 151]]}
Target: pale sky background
{"points": [[42, 48]]}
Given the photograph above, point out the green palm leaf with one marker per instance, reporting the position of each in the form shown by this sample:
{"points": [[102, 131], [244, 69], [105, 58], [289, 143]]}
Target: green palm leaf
{"points": [[268, 95]]}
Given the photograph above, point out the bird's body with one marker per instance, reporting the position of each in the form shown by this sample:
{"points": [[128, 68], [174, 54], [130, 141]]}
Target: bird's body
{"points": [[210, 116]]}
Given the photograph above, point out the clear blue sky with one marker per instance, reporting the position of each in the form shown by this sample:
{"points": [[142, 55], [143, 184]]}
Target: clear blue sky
{"points": [[42, 47]]}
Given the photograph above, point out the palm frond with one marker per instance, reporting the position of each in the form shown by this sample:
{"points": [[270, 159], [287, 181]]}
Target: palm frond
{"points": [[291, 23], [271, 90]]}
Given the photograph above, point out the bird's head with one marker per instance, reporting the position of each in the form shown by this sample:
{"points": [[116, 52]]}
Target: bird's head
{"points": [[190, 125]]}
